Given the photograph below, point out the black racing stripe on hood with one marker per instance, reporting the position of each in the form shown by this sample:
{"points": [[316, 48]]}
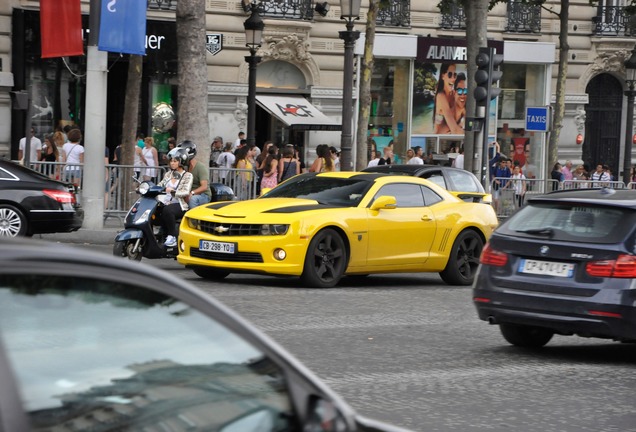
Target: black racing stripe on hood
{"points": [[218, 205], [302, 208]]}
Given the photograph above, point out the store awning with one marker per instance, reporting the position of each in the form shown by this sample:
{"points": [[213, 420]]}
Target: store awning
{"points": [[297, 113]]}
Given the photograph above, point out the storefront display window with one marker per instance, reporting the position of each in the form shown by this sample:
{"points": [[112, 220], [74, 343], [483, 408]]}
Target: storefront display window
{"points": [[523, 85], [389, 119]]}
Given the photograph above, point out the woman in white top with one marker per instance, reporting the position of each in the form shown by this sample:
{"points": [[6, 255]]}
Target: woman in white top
{"points": [[74, 153], [518, 184], [151, 157], [375, 158]]}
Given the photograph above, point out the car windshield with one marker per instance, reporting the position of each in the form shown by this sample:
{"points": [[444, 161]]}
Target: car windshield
{"points": [[572, 222], [92, 353], [337, 191]]}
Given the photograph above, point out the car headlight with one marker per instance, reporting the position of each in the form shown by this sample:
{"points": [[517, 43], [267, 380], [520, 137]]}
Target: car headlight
{"points": [[144, 187], [194, 223], [274, 229]]}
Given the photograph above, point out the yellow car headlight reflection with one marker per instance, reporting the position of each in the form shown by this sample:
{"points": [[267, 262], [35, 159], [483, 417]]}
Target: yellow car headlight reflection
{"points": [[274, 229]]}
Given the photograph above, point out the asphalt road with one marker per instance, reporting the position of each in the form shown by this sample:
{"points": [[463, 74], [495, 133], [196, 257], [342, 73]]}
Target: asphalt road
{"points": [[409, 350]]}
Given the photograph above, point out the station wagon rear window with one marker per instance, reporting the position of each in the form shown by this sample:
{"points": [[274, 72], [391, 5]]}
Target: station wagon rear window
{"points": [[572, 222]]}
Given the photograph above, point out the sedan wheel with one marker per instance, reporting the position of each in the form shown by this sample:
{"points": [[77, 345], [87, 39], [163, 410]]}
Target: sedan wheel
{"points": [[525, 336], [464, 259], [326, 260], [13, 223]]}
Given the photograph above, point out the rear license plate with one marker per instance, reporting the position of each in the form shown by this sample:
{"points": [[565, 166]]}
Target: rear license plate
{"points": [[546, 268], [213, 246]]}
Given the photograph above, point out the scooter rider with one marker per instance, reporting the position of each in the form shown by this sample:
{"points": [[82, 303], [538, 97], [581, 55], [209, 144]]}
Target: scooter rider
{"points": [[178, 184], [201, 193]]}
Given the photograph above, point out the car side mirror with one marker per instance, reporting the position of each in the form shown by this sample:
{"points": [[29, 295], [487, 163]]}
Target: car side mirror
{"points": [[384, 202]]}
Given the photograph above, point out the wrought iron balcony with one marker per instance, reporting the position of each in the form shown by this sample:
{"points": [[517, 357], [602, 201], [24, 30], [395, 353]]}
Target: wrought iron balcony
{"points": [[396, 14], [613, 20], [164, 5], [284, 9], [524, 18], [454, 18]]}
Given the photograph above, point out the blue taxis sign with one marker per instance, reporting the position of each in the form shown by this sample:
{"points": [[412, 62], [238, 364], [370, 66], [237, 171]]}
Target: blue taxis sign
{"points": [[537, 119]]}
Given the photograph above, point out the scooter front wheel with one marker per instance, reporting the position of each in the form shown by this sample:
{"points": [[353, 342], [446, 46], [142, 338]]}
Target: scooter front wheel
{"points": [[126, 249]]}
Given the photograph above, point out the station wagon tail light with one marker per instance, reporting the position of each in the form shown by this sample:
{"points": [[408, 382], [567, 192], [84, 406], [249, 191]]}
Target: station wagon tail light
{"points": [[622, 267], [60, 196], [492, 257]]}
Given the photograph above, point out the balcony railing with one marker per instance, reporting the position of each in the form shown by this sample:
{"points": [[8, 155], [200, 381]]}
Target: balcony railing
{"points": [[397, 14], [454, 19], [165, 5], [613, 20], [523, 18], [285, 9]]}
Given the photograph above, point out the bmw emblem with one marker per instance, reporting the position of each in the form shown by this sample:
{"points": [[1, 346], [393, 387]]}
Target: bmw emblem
{"points": [[544, 250]]}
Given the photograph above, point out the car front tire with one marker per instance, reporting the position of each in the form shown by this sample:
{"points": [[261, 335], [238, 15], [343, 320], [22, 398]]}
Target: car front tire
{"points": [[525, 336], [326, 260], [210, 274], [13, 223], [464, 259]]}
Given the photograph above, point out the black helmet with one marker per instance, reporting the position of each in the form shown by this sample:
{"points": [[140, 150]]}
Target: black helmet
{"points": [[180, 154], [190, 147]]}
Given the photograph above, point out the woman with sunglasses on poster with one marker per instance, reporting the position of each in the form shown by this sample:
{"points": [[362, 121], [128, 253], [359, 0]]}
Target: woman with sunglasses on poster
{"points": [[444, 110], [461, 93]]}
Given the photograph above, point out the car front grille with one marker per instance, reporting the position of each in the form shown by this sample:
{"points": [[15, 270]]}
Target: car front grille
{"points": [[230, 229], [254, 257]]}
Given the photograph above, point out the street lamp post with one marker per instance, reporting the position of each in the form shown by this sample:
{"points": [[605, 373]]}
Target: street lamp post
{"points": [[630, 83], [254, 26], [350, 11]]}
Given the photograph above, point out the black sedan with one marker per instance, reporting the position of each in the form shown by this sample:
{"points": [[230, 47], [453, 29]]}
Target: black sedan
{"points": [[31, 203], [564, 264], [90, 342], [461, 183]]}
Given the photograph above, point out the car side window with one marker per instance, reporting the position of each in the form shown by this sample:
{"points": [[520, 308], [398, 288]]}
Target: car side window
{"points": [[430, 197], [436, 177], [94, 354], [406, 195], [463, 181]]}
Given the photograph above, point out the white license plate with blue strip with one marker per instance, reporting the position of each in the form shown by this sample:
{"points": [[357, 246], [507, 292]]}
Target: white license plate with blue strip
{"points": [[214, 246], [547, 268]]}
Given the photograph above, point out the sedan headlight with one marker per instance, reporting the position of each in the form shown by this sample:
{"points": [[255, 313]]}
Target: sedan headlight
{"points": [[274, 229]]}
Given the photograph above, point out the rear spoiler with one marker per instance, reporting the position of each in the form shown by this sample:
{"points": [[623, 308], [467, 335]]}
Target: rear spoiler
{"points": [[474, 197]]}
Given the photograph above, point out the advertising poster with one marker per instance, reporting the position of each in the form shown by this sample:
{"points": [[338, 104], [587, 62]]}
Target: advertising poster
{"points": [[441, 86], [439, 99]]}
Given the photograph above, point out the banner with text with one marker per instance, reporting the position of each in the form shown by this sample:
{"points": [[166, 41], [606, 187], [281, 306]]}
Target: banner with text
{"points": [[123, 26]]}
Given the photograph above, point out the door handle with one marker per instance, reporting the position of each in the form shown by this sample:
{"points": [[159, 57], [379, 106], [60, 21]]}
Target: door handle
{"points": [[427, 218]]}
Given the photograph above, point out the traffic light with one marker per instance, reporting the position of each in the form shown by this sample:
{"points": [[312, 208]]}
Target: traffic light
{"points": [[487, 76]]}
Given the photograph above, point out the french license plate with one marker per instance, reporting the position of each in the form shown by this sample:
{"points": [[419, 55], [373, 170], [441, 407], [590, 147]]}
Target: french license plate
{"points": [[213, 246], [546, 268]]}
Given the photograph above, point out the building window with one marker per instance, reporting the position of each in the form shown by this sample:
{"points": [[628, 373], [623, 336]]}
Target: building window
{"points": [[285, 9], [523, 18], [612, 19], [396, 13], [389, 117], [162, 5], [454, 18]]}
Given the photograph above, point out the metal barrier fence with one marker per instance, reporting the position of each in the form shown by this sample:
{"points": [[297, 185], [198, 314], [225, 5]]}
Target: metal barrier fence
{"points": [[508, 195], [242, 181]]}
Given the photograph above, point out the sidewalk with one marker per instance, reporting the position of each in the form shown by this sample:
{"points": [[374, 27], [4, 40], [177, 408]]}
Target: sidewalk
{"points": [[104, 236]]}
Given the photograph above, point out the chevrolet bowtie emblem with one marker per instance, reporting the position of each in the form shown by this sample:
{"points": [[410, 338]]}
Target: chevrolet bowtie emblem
{"points": [[221, 229]]}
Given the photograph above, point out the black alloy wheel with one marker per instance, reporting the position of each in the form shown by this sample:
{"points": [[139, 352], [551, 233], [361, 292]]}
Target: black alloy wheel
{"points": [[464, 259], [326, 260]]}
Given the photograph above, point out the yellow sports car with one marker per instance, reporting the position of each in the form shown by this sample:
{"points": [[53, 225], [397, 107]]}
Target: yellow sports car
{"points": [[322, 227]]}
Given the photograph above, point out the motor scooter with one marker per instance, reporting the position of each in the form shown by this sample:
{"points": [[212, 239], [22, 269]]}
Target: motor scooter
{"points": [[143, 235]]}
